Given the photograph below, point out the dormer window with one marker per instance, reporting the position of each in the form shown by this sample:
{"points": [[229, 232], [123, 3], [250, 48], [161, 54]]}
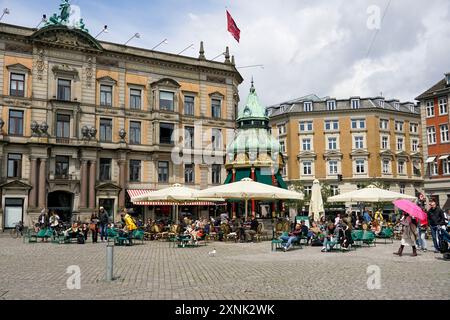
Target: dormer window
{"points": [[396, 106], [381, 103], [307, 106], [412, 108], [331, 105], [355, 103], [447, 77]]}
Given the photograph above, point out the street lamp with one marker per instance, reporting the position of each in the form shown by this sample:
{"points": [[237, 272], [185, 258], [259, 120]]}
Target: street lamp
{"points": [[190, 46], [43, 20], [105, 30], [164, 41], [136, 35], [5, 11]]}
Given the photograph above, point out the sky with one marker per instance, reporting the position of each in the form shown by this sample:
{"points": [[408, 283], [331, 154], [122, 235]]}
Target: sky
{"points": [[336, 48]]}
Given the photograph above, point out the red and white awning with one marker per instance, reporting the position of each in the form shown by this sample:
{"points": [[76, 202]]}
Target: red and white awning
{"points": [[139, 192]]}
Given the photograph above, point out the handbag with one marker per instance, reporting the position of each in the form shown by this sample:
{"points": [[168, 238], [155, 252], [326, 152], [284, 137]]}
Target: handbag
{"points": [[92, 226]]}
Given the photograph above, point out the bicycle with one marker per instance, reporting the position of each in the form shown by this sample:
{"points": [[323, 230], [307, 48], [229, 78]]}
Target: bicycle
{"points": [[18, 230]]}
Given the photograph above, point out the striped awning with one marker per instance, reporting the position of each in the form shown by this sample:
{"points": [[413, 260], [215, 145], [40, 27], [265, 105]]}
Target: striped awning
{"points": [[139, 192]]}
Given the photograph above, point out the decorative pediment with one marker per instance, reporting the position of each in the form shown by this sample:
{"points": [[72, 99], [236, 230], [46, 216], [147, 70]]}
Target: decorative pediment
{"points": [[166, 82], [387, 154], [416, 155], [108, 186], [359, 153], [402, 154], [65, 71], [216, 94], [16, 185], [306, 155], [107, 80], [69, 38], [332, 154], [18, 67]]}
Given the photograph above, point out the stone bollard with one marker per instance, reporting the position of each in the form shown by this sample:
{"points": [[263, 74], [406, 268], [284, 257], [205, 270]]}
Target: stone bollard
{"points": [[109, 262]]}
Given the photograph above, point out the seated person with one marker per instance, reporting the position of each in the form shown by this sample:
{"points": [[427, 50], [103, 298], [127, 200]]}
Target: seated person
{"points": [[376, 227], [305, 230], [314, 234], [331, 237], [72, 232], [347, 239], [250, 233], [129, 227], [292, 236]]}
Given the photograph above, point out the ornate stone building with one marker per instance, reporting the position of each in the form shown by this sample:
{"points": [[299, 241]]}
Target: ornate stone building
{"points": [[84, 123]]}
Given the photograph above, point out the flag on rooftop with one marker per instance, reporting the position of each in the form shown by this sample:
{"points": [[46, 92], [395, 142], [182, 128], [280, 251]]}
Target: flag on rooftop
{"points": [[232, 27]]}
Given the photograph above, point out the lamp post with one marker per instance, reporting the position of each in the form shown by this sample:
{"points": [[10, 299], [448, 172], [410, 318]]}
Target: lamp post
{"points": [[164, 41], [136, 35], [104, 30], [5, 11], [190, 46]]}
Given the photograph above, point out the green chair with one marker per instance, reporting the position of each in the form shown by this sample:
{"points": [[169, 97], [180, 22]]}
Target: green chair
{"points": [[386, 234], [30, 236], [357, 236], [138, 235], [44, 233], [368, 238]]}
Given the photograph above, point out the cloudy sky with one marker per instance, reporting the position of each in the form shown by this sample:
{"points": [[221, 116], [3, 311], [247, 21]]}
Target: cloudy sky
{"points": [[336, 48]]}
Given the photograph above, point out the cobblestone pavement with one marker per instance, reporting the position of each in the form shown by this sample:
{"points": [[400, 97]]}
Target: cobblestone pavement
{"points": [[238, 271]]}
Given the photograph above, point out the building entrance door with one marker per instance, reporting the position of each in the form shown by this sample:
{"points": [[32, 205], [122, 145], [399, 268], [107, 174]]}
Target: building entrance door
{"points": [[13, 212], [62, 203]]}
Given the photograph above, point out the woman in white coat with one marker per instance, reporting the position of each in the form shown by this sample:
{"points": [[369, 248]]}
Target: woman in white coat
{"points": [[409, 235]]}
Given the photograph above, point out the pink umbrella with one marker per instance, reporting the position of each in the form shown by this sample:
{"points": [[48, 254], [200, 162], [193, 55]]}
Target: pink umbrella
{"points": [[413, 209]]}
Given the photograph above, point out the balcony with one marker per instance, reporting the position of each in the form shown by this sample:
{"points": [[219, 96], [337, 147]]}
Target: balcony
{"points": [[63, 140]]}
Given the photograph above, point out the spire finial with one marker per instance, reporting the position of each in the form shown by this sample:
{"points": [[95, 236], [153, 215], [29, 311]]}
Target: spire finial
{"points": [[201, 52], [232, 61], [227, 55], [252, 87]]}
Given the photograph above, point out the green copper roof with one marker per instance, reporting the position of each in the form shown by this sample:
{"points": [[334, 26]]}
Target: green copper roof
{"points": [[253, 109], [254, 139]]}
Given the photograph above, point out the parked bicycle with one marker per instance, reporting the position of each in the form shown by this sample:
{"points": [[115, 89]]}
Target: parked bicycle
{"points": [[18, 230]]}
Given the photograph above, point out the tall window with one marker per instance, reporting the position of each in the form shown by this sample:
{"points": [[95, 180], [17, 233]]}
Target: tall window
{"points": [[14, 165], [216, 139], [189, 105], [189, 137], [444, 132], [402, 188], [62, 125], [384, 124], [105, 130], [331, 105], [359, 142], [433, 169], [163, 171], [414, 127], [333, 167], [358, 123], [306, 144], [399, 126], [15, 122], [62, 167], [216, 108], [431, 135], [64, 89], [135, 132], [105, 95], [445, 166], [443, 106], [135, 170], [307, 190], [429, 109], [17, 85], [386, 166], [384, 142], [282, 146], [414, 145], [281, 129], [399, 144], [306, 126], [216, 172], [355, 103], [105, 169], [401, 167], [360, 166], [334, 190], [135, 99], [165, 133], [331, 125], [307, 167], [416, 168], [332, 143], [189, 173], [166, 100], [307, 106]]}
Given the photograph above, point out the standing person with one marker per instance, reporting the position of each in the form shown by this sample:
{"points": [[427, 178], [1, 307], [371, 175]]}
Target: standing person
{"points": [[43, 219], [104, 220], [93, 226], [53, 220], [421, 242], [409, 235], [436, 219]]}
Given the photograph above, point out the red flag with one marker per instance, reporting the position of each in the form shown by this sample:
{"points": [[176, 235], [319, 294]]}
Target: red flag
{"points": [[232, 27]]}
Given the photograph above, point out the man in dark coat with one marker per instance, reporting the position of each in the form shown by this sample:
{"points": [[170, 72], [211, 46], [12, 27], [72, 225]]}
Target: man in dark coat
{"points": [[436, 220]]}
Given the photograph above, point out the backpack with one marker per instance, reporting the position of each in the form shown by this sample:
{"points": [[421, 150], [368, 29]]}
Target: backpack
{"points": [[80, 238], [443, 244]]}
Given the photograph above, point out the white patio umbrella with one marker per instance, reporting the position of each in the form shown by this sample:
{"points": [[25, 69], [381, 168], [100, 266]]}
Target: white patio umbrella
{"points": [[316, 202], [247, 189], [369, 194], [176, 194]]}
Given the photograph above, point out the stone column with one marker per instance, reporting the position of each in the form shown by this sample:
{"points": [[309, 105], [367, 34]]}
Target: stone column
{"points": [[92, 178], [122, 182], [83, 187], [43, 183], [34, 183]]}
